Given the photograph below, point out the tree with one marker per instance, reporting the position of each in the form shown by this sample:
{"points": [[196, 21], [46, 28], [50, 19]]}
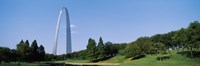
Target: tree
{"points": [[49, 57], [166, 39], [132, 50], [34, 51], [5, 54], [21, 42], [160, 48], [180, 39], [14, 55], [24, 51], [91, 49], [112, 49], [108, 50], [100, 49], [144, 44], [41, 53], [193, 32], [82, 54], [27, 42]]}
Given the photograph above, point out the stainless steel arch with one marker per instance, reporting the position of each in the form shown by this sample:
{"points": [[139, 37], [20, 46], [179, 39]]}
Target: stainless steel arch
{"points": [[68, 31]]}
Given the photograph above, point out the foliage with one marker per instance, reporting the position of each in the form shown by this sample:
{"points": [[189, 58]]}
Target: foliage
{"points": [[141, 46], [91, 49], [100, 52], [49, 57], [5, 54], [31, 53], [100, 49], [24, 51], [132, 50], [185, 38]]}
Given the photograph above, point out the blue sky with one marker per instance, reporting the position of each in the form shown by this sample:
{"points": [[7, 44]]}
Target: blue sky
{"points": [[118, 21]]}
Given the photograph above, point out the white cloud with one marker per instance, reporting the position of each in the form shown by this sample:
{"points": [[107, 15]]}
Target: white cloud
{"points": [[73, 26]]}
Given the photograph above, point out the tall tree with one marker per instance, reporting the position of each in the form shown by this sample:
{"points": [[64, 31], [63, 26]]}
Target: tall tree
{"points": [[194, 36], [144, 44], [180, 39], [24, 51], [108, 50], [91, 49], [21, 42], [27, 42], [132, 50], [41, 53], [100, 49], [34, 51]]}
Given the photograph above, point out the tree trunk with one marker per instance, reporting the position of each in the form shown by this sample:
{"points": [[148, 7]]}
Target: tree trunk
{"points": [[160, 57], [191, 52]]}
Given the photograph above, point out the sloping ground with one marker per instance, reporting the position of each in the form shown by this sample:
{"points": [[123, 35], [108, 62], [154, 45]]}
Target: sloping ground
{"points": [[116, 59], [150, 60]]}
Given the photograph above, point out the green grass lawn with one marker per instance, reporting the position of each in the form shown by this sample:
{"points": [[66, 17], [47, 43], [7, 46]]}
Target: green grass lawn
{"points": [[175, 60], [150, 60], [116, 59]]}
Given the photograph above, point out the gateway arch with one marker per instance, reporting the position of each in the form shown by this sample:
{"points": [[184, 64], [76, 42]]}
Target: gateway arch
{"points": [[68, 32]]}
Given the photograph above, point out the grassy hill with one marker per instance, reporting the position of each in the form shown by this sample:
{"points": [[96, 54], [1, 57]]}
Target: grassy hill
{"points": [[150, 60]]}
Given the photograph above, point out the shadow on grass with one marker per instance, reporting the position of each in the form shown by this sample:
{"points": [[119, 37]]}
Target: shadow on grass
{"points": [[196, 54], [101, 59]]}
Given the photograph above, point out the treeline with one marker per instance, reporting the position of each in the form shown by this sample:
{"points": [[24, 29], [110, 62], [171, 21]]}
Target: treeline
{"points": [[187, 39], [23, 53], [95, 51], [7, 54]]}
